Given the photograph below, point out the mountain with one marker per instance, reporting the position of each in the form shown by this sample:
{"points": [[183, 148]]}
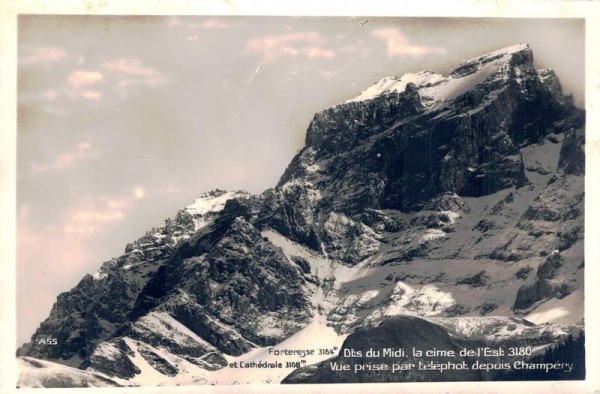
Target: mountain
{"points": [[446, 208]]}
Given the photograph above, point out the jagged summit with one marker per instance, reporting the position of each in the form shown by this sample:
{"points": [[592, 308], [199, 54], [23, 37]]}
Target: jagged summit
{"points": [[503, 55], [398, 85], [508, 50], [213, 201], [434, 88], [423, 134]]}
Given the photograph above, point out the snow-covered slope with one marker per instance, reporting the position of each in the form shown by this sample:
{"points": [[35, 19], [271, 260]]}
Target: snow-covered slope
{"points": [[436, 88], [41, 373], [213, 202]]}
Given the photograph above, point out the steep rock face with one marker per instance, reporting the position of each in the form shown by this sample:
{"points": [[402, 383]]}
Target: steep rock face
{"points": [[572, 157], [349, 124], [552, 226], [239, 277], [348, 240], [225, 291], [113, 361], [101, 303], [407, 140], [548, 282], [88, 313]]}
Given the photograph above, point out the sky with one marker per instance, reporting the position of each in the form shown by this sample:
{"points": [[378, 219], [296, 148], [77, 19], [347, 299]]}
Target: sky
{"points": [[122, 121]]}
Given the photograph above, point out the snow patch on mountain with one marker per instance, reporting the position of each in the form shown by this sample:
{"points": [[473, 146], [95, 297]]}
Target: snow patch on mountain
{"points": [[395, 84], [548, 315], [106, 350], [431, 234], [567, 310], [98, 275], [425, 300], [148, 375], [502, 53], [348, 239], [320, 266], [213, 201], [436, 88], [162, 324], [498, 328], [35, 373]]}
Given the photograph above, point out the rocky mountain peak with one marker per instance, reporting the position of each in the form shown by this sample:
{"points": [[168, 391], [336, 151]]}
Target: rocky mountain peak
{"points": [[408, 140], [508, 56], [426, 93], [213, 201]]}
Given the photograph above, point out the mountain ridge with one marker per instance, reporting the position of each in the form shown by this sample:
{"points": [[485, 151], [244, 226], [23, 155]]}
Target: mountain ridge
{"points": [[480, 172]]}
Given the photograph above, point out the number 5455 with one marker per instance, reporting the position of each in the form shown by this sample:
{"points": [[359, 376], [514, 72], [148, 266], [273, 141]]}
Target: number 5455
{"points": [[46, 341]]}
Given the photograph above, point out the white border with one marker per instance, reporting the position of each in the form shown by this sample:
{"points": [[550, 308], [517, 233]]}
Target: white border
{"points": [[589, 10]]}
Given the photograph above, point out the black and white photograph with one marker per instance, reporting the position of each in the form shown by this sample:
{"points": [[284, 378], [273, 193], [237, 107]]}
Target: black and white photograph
{"points": [[243, 200]]}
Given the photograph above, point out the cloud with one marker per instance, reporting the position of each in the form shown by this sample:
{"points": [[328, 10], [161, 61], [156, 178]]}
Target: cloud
{"points": [[95, 95], [53, 256], [399, 45], [89, 220], [46, 95], [113, 79], [92, 216], [358, 49], [192, 29], [79, 84], [82, 84], [130, 67], [67, 159], [329, 74], [212, 24], [91, 94], [120, 74], [139, 192], [131, 72], [50, 94], [208, 24], [169, 189], [80, 79], [317, 53], [294, 44], [44, 55]]}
